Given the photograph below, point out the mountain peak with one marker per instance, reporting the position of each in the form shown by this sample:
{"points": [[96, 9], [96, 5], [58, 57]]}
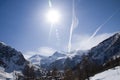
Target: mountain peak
{"points": [[58, 54], [117, 35], [2, 44], [37, 56]]}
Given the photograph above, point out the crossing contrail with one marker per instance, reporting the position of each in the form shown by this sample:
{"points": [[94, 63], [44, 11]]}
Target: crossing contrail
{"points": [[73, 26], [96, 31]]}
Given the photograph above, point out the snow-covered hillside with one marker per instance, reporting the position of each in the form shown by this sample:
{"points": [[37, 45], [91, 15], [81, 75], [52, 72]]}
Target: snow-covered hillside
{"points": [[111, 74], [4, 75]]}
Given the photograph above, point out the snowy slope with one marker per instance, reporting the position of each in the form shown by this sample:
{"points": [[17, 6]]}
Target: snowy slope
{"points": [[111, 74], [4, 75]]}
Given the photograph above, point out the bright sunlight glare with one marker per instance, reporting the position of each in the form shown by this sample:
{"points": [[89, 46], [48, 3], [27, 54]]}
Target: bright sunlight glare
{"points": [[53, 16]]}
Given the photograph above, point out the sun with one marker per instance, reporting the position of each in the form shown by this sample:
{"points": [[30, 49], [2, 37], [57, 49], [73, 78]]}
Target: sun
{"points": [[53, 16]]}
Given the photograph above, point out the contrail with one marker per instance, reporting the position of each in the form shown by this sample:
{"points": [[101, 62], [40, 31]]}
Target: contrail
{"points": [[94, 34], [50, 3], [50, 33], [51, 26], [73, 26]]}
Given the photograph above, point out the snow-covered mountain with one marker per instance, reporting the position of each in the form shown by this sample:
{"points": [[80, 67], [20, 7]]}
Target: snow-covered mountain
{"points": [[58, 59], [11, 59], [57, 55], [36, 59], [70, 61], [106, 49], [45, 61]]}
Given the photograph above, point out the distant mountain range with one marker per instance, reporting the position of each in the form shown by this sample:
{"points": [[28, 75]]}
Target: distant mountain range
{"points": [[57, 59], [46, 61], [99, 54]]}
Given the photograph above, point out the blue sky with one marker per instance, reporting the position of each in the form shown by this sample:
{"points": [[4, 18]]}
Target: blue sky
{"points": [[24, 27]]}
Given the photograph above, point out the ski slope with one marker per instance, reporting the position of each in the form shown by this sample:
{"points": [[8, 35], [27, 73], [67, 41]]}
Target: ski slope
{"points": [[111, 74]]}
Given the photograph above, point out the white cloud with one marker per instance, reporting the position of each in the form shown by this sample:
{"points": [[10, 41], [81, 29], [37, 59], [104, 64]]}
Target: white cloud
{"points": [[45, 51], [29, 54], [82, 42]]}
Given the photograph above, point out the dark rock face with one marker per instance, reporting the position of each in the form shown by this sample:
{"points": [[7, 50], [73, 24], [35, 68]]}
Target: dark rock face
{"points": [[11, 59], [106, 49]]}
